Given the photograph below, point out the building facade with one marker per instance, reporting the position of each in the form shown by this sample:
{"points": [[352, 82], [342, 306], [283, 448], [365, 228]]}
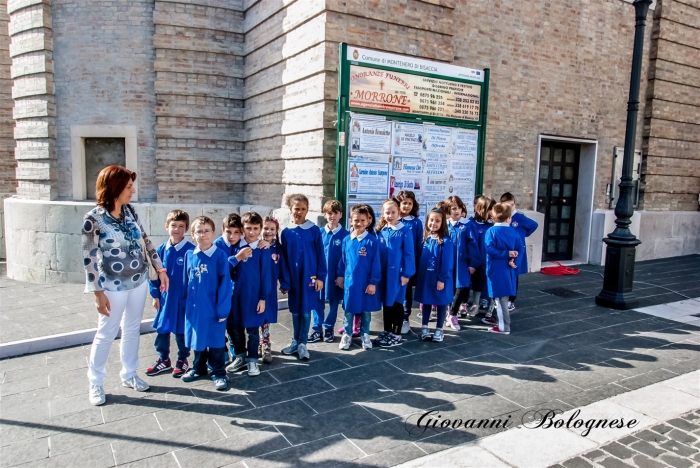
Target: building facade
{"points": [[220, 105]]}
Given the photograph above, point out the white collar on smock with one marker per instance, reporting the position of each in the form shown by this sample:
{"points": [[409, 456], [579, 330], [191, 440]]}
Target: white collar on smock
{"points": [[434, 236], [178, 246], [209, 252], [501, 224], [398, 226], [223, 238], [462, 220], [334, 231], [244, 243], [408, 218], [307, 225], [360, 237]]}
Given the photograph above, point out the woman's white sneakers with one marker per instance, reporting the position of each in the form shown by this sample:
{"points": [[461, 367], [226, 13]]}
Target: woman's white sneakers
{"points": [[136, 383], [96, 395], [345, 341]]}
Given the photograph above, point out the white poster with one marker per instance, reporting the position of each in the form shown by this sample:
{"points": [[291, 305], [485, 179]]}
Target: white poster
{"points": [[370, 136], [465, 144], [368, 178], [408, 139], [437, 139], [462, 170]]}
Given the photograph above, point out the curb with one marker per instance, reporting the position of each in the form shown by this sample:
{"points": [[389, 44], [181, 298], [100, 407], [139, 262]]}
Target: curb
{"points": [[66, 340]]}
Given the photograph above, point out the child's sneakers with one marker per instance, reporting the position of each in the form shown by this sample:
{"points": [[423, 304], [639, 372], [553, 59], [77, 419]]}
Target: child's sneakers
{"points": [[453, 322], [345, 341], [180, 368], [511, 306], [406, 327], [266, 353], [220, 383], [495, 329], [291, 349], [303, 352], [253, 369], [489, 321], [328, 335], [438, 335], [463, 311], [237, 364], [425, 334], [473, 310], [366, 342], [484, 303], [191, 375], [314, 337], [159, 367]]}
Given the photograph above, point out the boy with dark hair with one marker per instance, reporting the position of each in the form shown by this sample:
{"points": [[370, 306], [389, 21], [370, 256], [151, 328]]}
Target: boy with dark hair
{"points": [[251, 278], [169, 305], [525, 227], [332, 235], [231, 232]]}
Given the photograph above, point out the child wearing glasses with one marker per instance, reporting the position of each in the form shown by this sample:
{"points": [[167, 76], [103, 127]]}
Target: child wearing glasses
{"points": [[208, 302]]}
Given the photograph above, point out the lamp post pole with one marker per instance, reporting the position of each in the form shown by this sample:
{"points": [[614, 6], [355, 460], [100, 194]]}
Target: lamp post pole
{"points": [[619, 258]]}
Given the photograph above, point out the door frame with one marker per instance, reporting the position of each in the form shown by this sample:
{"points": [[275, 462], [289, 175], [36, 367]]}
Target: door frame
{"points": [[588, 156]]}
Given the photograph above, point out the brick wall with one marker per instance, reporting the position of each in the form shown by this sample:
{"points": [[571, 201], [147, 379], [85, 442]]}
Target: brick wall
{"points": [[103, 70], [199, 110], [671, 154], [8, 164]]}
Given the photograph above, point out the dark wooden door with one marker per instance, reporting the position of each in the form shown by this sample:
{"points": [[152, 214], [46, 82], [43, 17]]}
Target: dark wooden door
{"points": [[556, 198]]}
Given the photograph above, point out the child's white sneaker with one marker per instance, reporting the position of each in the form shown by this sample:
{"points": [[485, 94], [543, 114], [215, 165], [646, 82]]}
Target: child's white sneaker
{"points": [[473, 310], [454, 323], [253, 369], [406, 327], [345, 341], [366, 342]]}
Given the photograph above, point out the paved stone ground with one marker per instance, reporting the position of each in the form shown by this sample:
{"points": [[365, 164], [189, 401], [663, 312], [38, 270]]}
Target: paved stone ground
{"points": [[348, 408], [29, 310], [675, 443]]}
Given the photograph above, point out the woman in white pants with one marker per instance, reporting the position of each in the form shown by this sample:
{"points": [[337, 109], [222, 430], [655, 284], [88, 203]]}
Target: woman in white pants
{"points": [[117, 273]]}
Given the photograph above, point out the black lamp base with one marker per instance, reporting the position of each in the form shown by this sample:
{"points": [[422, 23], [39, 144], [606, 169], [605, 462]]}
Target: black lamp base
{"points": [[619, 276]]}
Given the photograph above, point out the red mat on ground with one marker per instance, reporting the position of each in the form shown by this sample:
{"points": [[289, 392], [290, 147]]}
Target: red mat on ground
{"points": [[559, 270]]}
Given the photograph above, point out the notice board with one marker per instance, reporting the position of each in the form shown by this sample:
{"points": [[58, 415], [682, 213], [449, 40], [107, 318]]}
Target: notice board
{"points": [[408, 124]]}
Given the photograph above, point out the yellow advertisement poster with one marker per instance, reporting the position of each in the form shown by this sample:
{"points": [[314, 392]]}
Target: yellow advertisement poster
{"points": [[411, 94]]}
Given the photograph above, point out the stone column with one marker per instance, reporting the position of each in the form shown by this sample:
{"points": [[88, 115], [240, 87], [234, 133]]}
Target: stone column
{"points": [[33, 92]]}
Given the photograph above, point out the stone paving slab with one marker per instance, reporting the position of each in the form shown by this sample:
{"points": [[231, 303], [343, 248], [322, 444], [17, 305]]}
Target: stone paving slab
{"points": [[345, 408]]}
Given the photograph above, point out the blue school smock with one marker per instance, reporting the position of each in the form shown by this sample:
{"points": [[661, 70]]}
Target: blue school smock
{"points": [[397, 254], [525, 227], [252, 279], [477, 231], [360, 266], [221, 243], [208, 298], [416, 227], [271, 305], [333, 250], [501, 239], [436, 264], [170, 317], [303, 262], [466, 252]]}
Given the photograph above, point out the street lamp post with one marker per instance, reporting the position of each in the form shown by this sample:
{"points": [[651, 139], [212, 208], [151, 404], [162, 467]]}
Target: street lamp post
{"points": [[619, 258]]}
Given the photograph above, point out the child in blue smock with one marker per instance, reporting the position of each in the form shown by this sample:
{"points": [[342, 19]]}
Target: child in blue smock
{"points": [[303, 271], [252, 287], [170, 304], [398, 266], [271, 228], [231, 232], [525, 227], [504, 248], [466, 256], [477, 226], [332, 234], [358, 273], [208, 302], [408, 209], [434, 286]]}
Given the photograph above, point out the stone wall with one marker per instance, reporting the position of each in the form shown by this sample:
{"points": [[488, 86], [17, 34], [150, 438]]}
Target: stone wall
{"points": [[103, 72], [199, 87], [8, 164], [34, 111], [671, 154]]}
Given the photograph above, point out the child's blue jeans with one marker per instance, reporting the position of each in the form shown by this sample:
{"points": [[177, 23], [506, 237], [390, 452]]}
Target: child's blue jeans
{"points": [[366, 317], [248, 352], [213, 358], [319, 323], [162, 344], [300, 324]]}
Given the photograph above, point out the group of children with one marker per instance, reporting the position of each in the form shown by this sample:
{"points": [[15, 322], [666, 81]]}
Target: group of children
{"points": [[225, 289]]}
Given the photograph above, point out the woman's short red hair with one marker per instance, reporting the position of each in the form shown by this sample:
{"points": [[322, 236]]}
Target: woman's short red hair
{"points": [[111, 181]]}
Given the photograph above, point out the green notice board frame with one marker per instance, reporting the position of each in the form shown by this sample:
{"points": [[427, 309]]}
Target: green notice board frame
{"points": [[345, 110]]}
